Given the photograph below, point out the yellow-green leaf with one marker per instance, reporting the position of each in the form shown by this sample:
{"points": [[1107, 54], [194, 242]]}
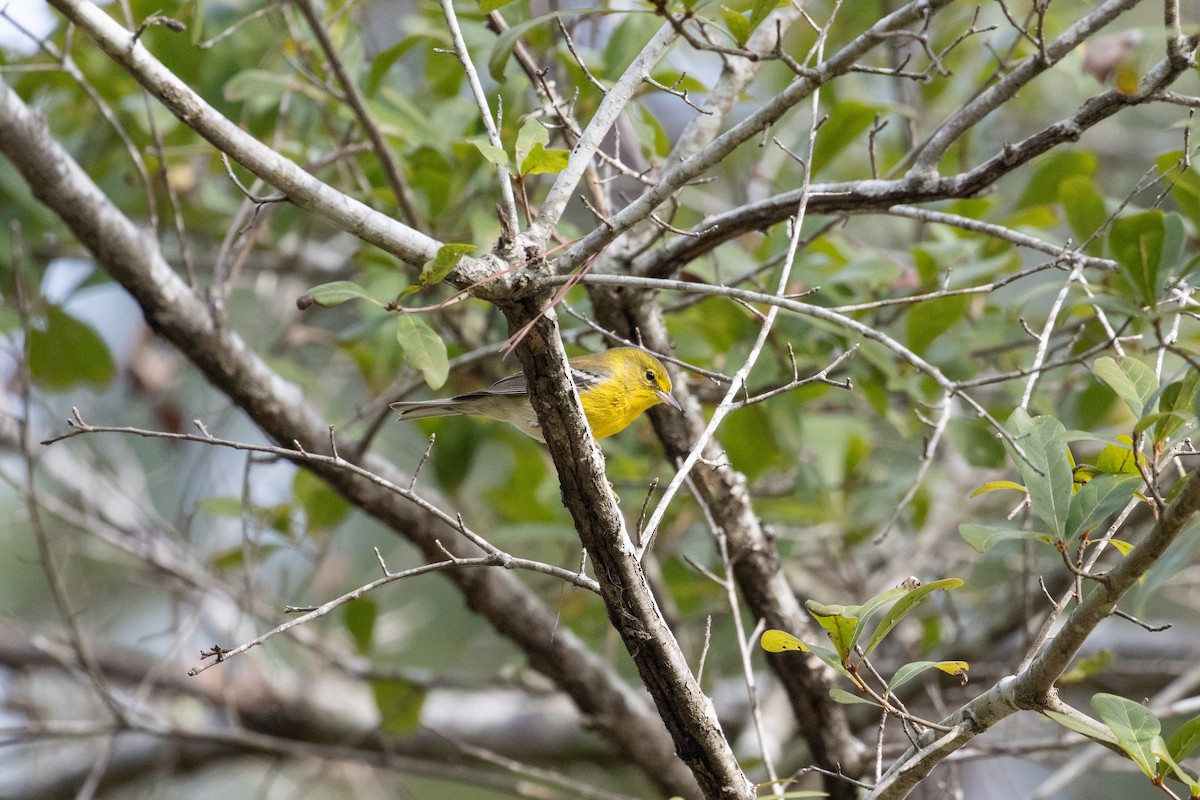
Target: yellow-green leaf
{"points": [[995, 486], [775, 641], [441, 265], [542, 160]]}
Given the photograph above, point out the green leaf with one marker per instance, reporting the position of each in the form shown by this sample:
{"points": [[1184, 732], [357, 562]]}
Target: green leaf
{"points": [[260, 88], [985, 537], [503, 47], [1118, 460], [1174, 242], [1177, 400], [541, 160], [1046, 469], [441, 265], [221, 506], [328, 295], [1132, 380], [832, 660], [626, 41], [423, 349], [1052, 171], [650, 132], [66, 352], [1081, 726], [1159, 418], [323, 507], [839, 622], [929, 320], [777, 641], [1185, 739], [1166, 762], [383, 62], [760, 10], [360, 615], [848, 120], [532, 133], [903, 606], [873, 606], [488, 6], [1099, 497], [196, 26], [491, 152], [909, 671], [1184, 184], [848, 699], [1133, 726], [739, 26], [399, 704], [1085, 209], [1137, 244], [1087, 667]]}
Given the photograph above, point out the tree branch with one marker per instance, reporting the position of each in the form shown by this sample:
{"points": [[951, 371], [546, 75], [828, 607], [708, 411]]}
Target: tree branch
{"points": [[277, 406], [1033, 687], [301, 188], [632, 610]]}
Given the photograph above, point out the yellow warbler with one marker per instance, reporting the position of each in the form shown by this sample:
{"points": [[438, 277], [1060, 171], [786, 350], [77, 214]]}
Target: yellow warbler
{"points": [[615, 387]]}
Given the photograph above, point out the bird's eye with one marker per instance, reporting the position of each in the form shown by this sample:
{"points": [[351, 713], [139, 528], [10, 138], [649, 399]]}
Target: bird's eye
{"points": [[650, 375]]}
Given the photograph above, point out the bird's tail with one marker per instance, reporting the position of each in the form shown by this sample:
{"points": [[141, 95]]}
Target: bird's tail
{"points": [[430, 408]]}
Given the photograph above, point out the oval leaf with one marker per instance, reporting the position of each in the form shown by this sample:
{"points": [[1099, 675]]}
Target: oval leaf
{"points": [[1132, 380], [1133, 726], [332, 294], [848, 699], [909, 671], [1185, 739], [67, 352], [1137, 243], [776, 641], [1046, 467], [1101, 496], [441, 265], [541, 160], [985, 537], [1080, 726], [903, 606], [423, 349]]}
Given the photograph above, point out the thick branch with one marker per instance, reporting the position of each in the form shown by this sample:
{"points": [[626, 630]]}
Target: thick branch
{"points": [[757, 566], [632, 610], [875, 195]]}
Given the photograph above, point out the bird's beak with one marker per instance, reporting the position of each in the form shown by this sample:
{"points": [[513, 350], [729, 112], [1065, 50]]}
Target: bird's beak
{"points": [[669, 399]]}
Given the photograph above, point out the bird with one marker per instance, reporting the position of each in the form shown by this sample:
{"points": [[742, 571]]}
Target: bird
{"points": [[615, 387]]}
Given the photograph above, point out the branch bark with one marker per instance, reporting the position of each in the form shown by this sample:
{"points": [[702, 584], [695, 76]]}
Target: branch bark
{"points": [[758, 569], [632, 610]]}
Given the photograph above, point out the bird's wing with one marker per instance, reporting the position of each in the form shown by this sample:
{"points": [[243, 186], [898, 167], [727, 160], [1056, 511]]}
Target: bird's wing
{"points": [[517, 384], [513, 384]]}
